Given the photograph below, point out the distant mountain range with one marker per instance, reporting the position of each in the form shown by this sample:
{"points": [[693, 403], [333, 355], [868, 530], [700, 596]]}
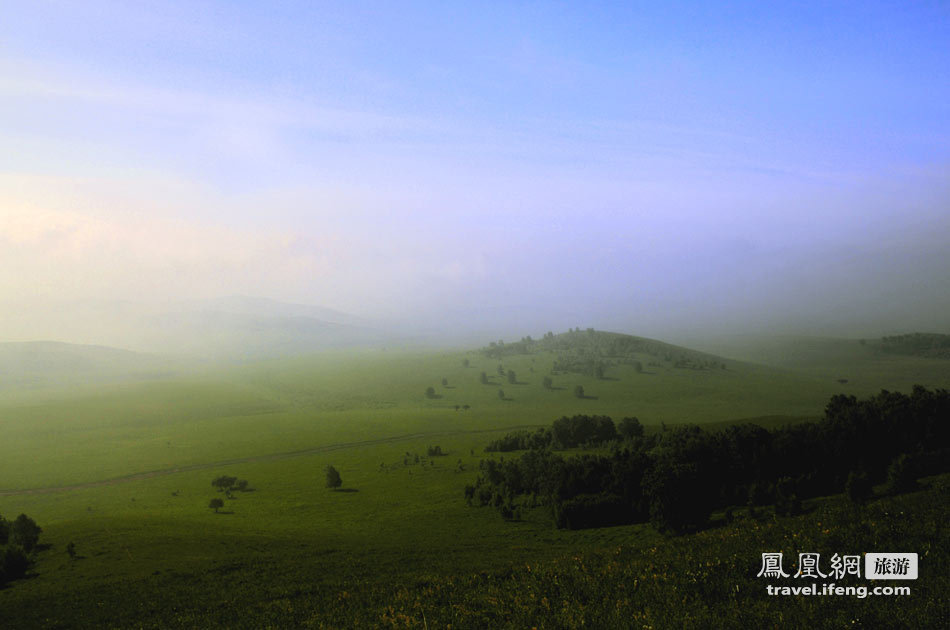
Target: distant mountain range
{"points": [[32, 364], [246, 328], [228, 328]]}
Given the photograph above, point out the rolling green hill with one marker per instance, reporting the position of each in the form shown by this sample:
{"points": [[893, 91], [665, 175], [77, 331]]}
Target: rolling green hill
{"points": [[123, 470]]}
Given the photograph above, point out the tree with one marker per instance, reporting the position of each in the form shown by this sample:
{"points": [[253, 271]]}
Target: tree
{"points": [[501, 370], [333, 478], [241, 485], [445, 382], [4, 530], [224, 483], [216, 504], [501, 394], [901, 476], [465, 363], [430, 392], [678, 496], [13, 563], [71, 548], [25, 532], [858, 487], [483, 378], [512, 377], [599, 371], [579, 391], [547, 383], [787, 502], [637, 367], [630, 428]]}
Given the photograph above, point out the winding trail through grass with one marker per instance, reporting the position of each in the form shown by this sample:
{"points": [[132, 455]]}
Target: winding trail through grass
{"points": [[253, 458]]}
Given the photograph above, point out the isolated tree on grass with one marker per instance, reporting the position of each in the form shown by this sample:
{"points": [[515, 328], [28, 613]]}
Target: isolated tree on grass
{"points": [[333, 478], [483, 378], [216, 504], [512, 377], [501, 394], [547, 383], [465, 363], [445, 382], [430, 392], [579, 391]]}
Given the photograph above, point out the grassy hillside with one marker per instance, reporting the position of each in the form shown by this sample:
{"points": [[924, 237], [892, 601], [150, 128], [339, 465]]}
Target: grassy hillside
{"points": [[863, 364], [143, 456], [96, 433]]}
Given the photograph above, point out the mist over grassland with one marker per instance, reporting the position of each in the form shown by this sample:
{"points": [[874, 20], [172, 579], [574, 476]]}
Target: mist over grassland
{"points": [[429, 314]]}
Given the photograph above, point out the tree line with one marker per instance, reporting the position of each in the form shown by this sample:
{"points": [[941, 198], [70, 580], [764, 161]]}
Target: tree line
{"points": [[579, 430], [676, 478], [922, 344]]}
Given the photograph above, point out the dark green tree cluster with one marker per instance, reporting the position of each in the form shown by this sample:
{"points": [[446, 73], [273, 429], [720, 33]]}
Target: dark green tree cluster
{"points": [[228, 485], [918, 344], [629, 428], [520, 441], [18, 543], [579, 430], [677, 477]]}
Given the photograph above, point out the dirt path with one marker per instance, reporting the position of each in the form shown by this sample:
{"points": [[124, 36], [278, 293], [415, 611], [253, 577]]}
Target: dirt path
{"points": [[254, 458]]}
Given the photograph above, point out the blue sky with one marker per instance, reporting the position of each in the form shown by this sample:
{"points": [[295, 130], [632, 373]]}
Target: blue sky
{"points": [[655, 167]]}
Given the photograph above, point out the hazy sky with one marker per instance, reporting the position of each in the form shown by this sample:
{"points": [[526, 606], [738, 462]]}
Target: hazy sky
{"points": [[656, 168]]}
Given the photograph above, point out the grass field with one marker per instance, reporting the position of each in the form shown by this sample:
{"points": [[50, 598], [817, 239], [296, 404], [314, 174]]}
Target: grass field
{"points": [[133, 464]]}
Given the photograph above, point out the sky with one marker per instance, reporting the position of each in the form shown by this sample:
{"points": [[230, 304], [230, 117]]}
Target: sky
{"points": [[657, 168]]}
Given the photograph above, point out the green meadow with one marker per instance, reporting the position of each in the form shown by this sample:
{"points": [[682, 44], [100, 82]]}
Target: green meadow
{"points": [[124, 472]]}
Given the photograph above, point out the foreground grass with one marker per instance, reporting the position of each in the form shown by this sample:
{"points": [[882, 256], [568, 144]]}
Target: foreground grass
{"points": [[637, 580]]}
